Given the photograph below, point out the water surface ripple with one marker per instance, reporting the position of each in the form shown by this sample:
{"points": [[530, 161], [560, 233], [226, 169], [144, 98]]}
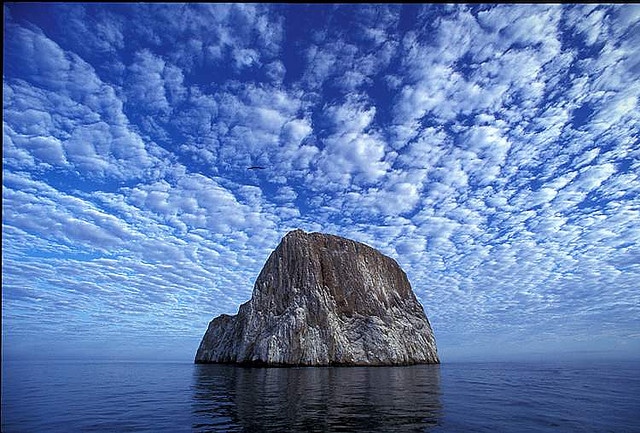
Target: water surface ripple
{"points": [[182, 397]]}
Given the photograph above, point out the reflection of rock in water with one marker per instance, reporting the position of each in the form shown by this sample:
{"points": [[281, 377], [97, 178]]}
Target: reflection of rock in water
{"points": [[231, 398]]}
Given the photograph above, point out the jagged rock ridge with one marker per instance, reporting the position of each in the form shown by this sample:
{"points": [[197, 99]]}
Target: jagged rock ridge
{"points": [[324, 300]]}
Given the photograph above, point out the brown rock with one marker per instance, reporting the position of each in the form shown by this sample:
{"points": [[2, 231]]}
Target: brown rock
{"points": [[324, 300]]}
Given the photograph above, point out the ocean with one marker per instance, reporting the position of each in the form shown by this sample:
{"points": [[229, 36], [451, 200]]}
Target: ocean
{"points": [[451, 397]]}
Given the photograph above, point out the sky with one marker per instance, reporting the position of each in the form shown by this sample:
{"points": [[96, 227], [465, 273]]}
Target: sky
{"points": [[492, 150]]}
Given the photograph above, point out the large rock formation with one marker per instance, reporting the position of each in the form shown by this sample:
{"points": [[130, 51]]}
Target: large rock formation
{"points": [[324, 300]]}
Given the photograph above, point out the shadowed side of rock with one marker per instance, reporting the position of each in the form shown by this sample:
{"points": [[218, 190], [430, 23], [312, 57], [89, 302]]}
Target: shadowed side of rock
{"points": [[324, 300]]}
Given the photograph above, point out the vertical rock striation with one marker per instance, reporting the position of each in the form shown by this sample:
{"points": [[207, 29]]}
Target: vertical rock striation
{"points": [[324, 300]]}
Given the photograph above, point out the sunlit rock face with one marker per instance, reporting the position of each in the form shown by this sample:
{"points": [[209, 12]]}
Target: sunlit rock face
{"points": [[324, 300]]}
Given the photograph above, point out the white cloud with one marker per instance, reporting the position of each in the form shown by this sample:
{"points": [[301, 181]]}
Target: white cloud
{"points": [[58, 216], [353, 152], [275, 71], [77, 120], [591, 177], [145, 83], [215, 33], [541, 197], [490, 146], [586, 158], [48, 149], [350, 60]]}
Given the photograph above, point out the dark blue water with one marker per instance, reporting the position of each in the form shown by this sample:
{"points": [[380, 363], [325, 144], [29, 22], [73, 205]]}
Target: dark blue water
{"points": [[181, 397]]}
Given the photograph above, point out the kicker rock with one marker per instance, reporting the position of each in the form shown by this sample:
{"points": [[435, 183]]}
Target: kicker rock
{"points": [[324, 300]]}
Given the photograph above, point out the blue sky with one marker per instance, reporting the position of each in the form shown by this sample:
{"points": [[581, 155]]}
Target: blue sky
{"points": [[492, 151]]}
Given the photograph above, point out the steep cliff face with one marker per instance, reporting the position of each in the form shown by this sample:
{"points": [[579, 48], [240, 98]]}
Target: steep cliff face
{"points": [[324, 300]]}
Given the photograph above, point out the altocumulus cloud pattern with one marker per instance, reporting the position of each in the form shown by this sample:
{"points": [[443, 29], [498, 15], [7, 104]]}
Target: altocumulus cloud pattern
{"points": [[492, 150]]}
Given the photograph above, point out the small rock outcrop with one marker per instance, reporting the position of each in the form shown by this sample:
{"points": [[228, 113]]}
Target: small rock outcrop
{"points": [[324, 300]]}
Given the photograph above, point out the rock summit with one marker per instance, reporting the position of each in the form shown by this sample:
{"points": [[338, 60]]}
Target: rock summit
{"points": [[322, 299]]}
